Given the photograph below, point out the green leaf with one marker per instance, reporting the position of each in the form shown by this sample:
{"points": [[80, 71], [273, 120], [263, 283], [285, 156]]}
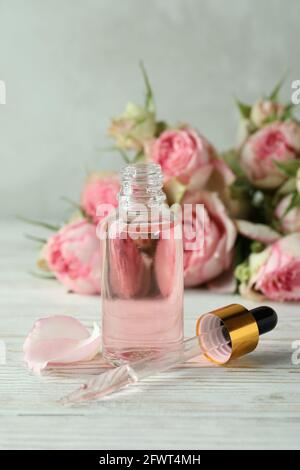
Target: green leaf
{"points": [[296, 200], [276, 225], [295, 203], [241, 189], [244, 109], [161, 126], [230, 157], [121, 152], [276, 90], [41, 275], [174, 191], [288, 187], [242, 272], [35, 239], [288, 111], [72, 203], [289, 168], [270, 119], [123, 155], [139, 156], [257, 247], [149, 101], [39, 223]]}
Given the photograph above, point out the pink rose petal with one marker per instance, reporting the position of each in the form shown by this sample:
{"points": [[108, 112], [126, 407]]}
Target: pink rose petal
{"points": [[258, 232], [59, 340]]}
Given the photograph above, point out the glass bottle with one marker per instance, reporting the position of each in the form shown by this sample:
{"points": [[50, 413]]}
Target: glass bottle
{"points": [[142, 278]]}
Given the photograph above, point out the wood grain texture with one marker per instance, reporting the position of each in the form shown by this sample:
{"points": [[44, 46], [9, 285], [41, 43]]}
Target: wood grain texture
{"points": [[253, 403]]}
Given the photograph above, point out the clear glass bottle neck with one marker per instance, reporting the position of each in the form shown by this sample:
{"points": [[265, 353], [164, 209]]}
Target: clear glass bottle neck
{"points": [[141, 185]]}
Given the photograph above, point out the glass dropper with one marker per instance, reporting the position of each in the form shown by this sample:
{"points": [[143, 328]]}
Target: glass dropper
{"points": [[224, 334], [131, 373]]}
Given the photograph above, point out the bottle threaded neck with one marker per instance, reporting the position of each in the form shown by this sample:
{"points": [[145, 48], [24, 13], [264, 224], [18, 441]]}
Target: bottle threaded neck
{"points": [[141, 184]]}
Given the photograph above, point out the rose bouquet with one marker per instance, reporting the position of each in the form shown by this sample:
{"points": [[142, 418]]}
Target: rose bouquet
{"points": [[251, 199]]}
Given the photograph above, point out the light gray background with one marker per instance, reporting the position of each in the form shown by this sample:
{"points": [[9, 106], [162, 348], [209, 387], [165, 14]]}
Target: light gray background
{"points": [[69, 65]]}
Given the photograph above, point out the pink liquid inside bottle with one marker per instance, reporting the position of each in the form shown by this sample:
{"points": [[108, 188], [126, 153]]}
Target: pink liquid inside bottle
{"points": [[142, 282]]}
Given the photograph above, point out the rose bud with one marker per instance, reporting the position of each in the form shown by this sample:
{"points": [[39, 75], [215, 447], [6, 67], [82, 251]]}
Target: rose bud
{"points": [[263, 110], [133, 128]]}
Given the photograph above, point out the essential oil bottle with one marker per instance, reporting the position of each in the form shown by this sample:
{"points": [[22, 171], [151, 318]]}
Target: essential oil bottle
{"points": [[142, 278]]}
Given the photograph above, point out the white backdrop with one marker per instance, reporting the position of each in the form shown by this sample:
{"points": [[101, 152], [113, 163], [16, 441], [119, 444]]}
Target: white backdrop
{"points": [[69, 65]]}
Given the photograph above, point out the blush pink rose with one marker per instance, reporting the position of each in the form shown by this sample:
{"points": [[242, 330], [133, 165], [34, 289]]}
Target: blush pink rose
{"points": [[277, 142], [216, 233], [99, 189], [289, 221], [277, 270], [74, 256], [183, 154]]}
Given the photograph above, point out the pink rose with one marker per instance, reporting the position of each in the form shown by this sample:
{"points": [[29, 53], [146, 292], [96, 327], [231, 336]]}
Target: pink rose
{"points": [[216, 234], [73, 255], [99, 189], [183, 154], [276, 271], [279, 142], [289, 221]]}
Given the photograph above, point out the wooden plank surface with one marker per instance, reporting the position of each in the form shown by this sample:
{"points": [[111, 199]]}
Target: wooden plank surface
{"points": [[253, 403]]}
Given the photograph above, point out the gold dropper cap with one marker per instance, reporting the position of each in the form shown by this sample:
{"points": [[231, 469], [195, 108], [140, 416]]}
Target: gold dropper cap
{"points": [[242, 327]]}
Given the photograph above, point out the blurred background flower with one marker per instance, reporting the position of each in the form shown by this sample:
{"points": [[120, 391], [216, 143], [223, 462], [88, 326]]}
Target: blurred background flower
{"points": [[275, 272], [250, 189], [69, 75], [215, 235], [100, 188], [73, 254]]}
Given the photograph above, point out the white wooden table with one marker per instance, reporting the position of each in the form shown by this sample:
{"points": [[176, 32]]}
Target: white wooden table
{"points": [[253, 403]]}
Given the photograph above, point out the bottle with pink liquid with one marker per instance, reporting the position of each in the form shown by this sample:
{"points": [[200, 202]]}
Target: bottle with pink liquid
{"points": [[142, 281]]}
